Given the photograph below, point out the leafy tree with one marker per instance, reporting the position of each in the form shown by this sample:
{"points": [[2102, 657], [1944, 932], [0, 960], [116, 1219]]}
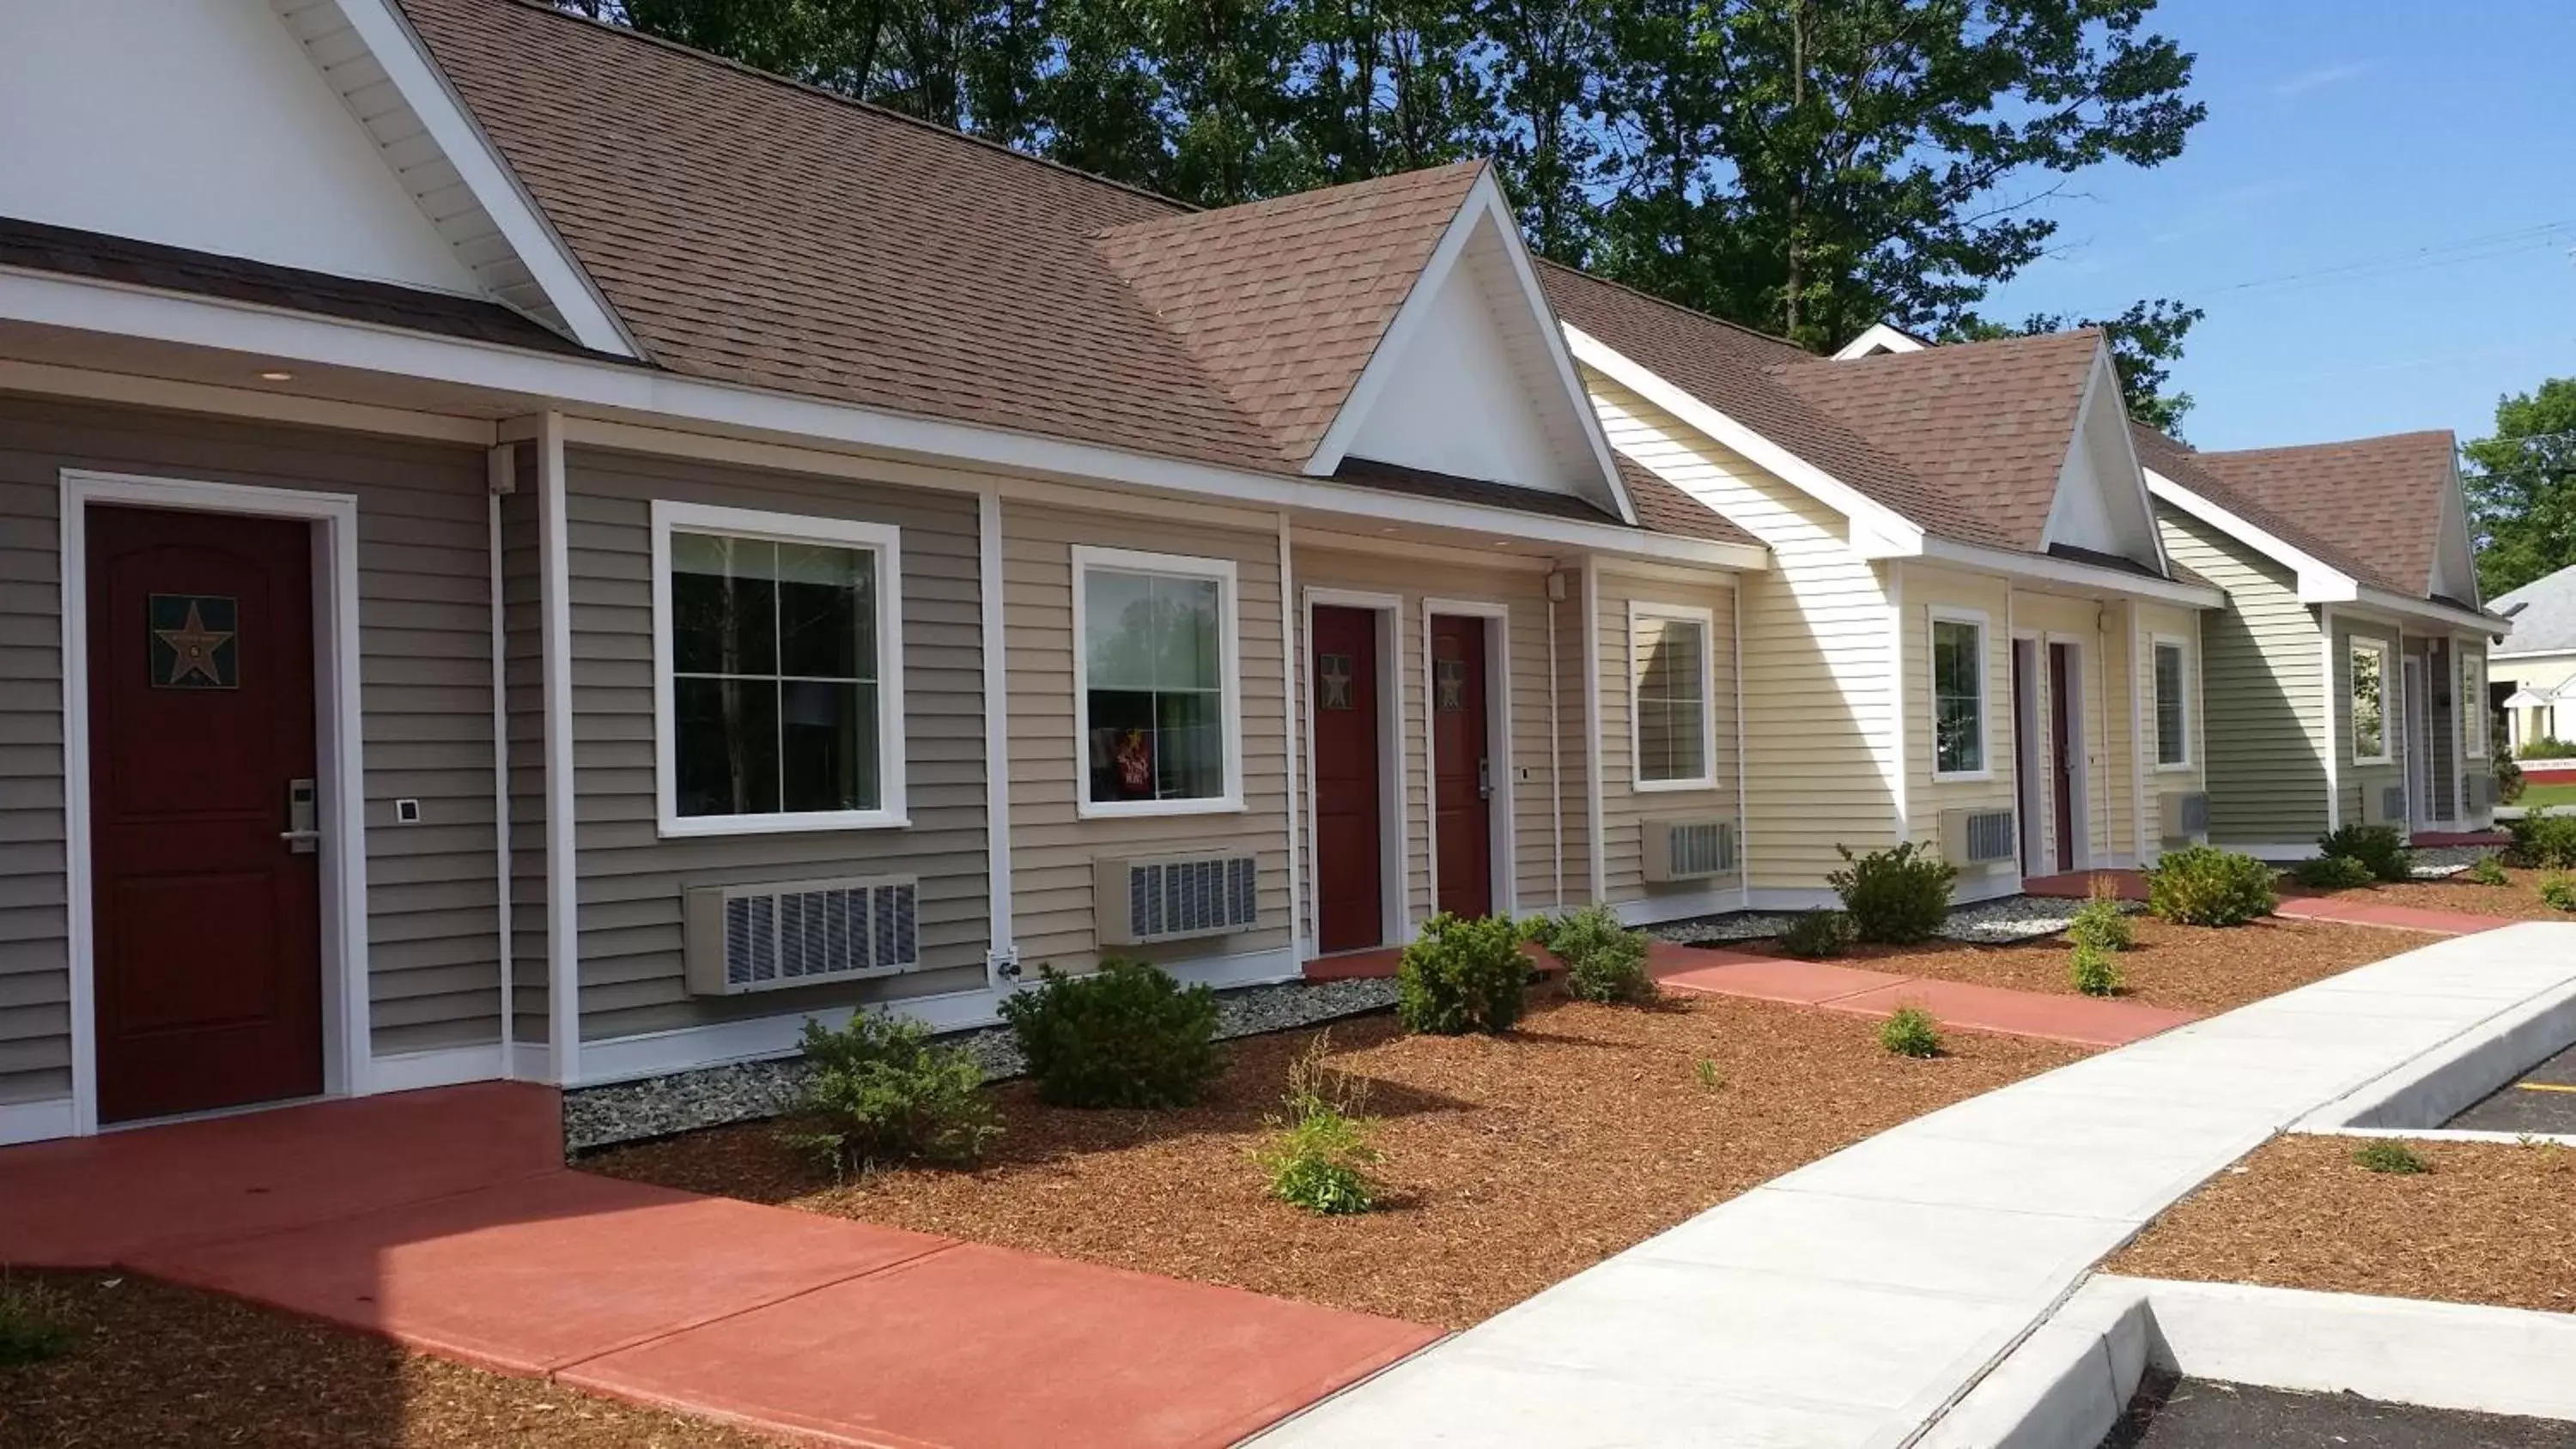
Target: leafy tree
{"points": [[1547, 61], [2145, 340], [2522, 488]]}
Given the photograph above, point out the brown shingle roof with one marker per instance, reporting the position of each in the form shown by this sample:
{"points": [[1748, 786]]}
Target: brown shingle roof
{"points": [[2380, 499], [1667, 509]]}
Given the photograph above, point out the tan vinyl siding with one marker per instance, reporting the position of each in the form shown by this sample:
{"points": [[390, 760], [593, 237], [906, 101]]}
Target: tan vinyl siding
{"points": [[1818, 689], [2169, 621], [1053, 849], [1925, 592], [2260, 681], [425, 671], [1628, 812], [630, 879]]}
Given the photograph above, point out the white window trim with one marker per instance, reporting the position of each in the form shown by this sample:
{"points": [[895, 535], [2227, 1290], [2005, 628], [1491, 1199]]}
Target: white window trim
{"points": [[2474, 725], [2190, 692], [1944, 614], [1640, 610], [2388, 726], [885, 540], [1229, 673]]}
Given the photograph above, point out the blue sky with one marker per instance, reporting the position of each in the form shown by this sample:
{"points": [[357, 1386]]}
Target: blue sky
{"points": [[2344, 132]]}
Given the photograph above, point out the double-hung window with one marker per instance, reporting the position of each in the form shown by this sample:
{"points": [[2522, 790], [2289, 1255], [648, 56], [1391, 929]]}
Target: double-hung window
{"points": [[1155, 683], [2173, 705], [1958, 696], [2473, 704], [2370, 671], [1672, 668], [778, 674]]}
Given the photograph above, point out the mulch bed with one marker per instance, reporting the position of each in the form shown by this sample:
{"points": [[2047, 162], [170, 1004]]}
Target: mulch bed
{"points": [[1511, 1162], [2188, 968], [2491, 1223], [166, 1366], [2519, 901]]}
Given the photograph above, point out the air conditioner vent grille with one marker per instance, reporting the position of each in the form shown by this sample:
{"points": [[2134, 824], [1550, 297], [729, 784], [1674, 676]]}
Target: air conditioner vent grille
{"points": [[763, 937], [1176, 897]]}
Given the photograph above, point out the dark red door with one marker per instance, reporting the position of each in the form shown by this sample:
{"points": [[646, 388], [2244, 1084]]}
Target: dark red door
{"points": [[2062, 717], [1350, 895], [206, 921], [1462, 784]]}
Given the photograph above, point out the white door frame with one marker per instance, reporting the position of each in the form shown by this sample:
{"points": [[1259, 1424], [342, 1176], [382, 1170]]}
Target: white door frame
{"points": [[1498, 740], [2031, 787], [2414, 672], [340, 763], [1395, 906], [2079, 809]]}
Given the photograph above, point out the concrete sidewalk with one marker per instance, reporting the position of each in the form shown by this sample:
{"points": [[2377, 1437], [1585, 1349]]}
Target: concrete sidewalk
{"points": [[1846, 1303]]}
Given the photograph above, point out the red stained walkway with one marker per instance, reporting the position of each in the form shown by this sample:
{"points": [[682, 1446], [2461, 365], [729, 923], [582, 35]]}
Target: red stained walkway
{"points": [[2050, 1016], [2353, 910], [446, 1220]]}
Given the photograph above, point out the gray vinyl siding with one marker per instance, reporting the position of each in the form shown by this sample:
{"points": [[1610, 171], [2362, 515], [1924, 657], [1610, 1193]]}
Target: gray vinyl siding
{"points": [[425, 668], [631, 880], [2260, 684], [523, 686], [2357, 784]]}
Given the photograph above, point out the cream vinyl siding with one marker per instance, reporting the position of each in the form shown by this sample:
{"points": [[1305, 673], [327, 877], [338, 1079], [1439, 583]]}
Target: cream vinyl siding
{"points": [[1052, 848], [1930, 593], [424, 663], [2264, 722], [1627, 812], [631, 880], [1818, 689], [2151, 621], [2101, 630]]}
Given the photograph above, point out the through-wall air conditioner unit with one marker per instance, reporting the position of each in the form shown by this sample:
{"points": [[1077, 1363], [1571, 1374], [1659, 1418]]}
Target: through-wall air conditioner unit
{"points": [[1140, 900], [777, 934], [2385, 805], [1978, 838], [1689, 849], [2185, 814]]}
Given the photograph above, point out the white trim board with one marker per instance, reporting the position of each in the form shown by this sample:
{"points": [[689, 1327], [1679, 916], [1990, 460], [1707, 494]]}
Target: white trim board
{"points": [[1503, 880], [1705, 618], [340, 760], [1395, 909]]}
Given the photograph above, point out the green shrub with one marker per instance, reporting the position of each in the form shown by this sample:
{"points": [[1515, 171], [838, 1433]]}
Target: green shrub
{"points": [[1899, 896], [32, 1329], [2201, 885], [2542, 841], [882, 1094], [1911, 1032], [1462, 974], [1817, 934], [2558, 892], [1318, 1153], [2331, 873], [1127, 1035], [2509, 783], [2489, 872], [2390, 1155], [1604, 960], [2096, 971], [2380, 848], [2099, 923], [2546, 748]]}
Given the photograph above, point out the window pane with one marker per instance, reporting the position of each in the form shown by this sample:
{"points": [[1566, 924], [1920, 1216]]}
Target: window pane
{"points": [[723, 606], [725, 746], [1185, 633], [826, 611], [1118, 629], [1153, 657], [1121, 747], [1958, 697], [827, 736], [2369, 735], [1190, 747], [1672, 657], [2173, 745]]}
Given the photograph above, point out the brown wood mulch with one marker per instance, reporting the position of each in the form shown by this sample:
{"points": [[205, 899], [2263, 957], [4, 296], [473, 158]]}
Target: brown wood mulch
{"points": [[1510, 1162], [2519, 901], [2188, 968], [2491, 1223], [154, 1364]]}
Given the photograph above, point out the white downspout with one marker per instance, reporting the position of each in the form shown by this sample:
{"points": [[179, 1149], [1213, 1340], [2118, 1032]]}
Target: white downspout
{"points": [[2325, 697], [1555, 758], [1594, 810], [1290, 647], [500, 477], [1743, 775], [1002, 958]]}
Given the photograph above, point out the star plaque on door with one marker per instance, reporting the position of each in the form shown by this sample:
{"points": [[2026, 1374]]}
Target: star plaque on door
{"points": [[1335, 689], [1449, 685], [194, 642]]}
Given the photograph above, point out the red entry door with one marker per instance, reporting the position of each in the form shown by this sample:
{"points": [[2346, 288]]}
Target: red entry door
{"points": [[1462, 784], [2063, 720], [1350, 893], [206, 924]]}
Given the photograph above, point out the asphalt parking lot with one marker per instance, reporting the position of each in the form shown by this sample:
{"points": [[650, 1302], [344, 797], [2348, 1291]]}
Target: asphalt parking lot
{"points": [[2540, 1100], [2194, 1414]]}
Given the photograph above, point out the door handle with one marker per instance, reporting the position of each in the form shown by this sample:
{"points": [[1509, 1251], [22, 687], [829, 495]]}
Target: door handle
{"points": [[1485, 778], [303, 828]]}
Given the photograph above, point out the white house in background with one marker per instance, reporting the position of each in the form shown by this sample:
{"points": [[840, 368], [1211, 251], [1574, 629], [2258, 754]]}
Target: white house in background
{"points": [[2534, 680]]}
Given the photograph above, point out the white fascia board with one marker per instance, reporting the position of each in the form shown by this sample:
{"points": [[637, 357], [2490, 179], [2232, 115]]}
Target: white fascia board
{"points": [[1877, 531], [2319, 582], [2044, 569], [1879, 338], [2499, 656], [2429, 611], [536, 382], [390, 39]]}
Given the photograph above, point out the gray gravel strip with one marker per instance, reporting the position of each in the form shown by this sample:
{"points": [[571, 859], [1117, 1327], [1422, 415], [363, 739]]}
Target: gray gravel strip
{"points": [[2013, 918]]}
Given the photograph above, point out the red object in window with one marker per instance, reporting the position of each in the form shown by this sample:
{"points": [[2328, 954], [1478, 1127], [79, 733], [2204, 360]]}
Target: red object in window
{"points": [[1136, 762]]}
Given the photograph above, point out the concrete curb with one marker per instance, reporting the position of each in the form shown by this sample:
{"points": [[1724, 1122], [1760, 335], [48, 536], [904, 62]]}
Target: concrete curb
{"points": [[2421, 1095]]}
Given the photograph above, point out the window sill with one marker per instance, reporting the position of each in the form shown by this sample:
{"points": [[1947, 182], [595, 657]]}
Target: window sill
{"points": [[687, 827], [1672, 787], [2184, 768], [2361, 760], [1155, 809], [1964, 777]]}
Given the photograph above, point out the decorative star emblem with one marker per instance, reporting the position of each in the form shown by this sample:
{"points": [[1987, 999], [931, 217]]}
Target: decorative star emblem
{"points": [[192, 648]]}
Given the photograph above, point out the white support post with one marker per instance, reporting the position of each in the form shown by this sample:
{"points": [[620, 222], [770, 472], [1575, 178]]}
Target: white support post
{"points": [[563, 907], [1002, 960]]}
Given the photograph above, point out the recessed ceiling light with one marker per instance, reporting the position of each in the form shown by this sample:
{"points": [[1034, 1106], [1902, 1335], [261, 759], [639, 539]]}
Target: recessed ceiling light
{"points": [[277, 376]]}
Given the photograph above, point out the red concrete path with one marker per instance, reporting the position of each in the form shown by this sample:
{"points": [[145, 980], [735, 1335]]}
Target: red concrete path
{"points": [[2076, 885], [2352, 911], [2051, 1016], [446, 1221]]}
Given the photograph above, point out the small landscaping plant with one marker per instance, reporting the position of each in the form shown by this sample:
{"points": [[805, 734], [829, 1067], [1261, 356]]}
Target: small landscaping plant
{"points": [[1710, 1078], [882, 1094], [1898, 896], [31, 1324], [2542, 841], [2331, 873], [1604, 960], [2099, 923], [2390, 1155], [2096, 971], [2380, 849], [1462, 974], [2509, 783], [2201, 885], [1127, 1035], [2558, 892], [1911, 1032], [2489, 872], [1814, 935], [1318, 1154]]}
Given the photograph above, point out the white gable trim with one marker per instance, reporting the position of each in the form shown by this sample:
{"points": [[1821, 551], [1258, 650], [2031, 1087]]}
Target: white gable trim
{"points": [[2122, 481], [1877, 530], [1484, 206], [2455, 565], [1879, 338], [555, 287], [2319, 581]]}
